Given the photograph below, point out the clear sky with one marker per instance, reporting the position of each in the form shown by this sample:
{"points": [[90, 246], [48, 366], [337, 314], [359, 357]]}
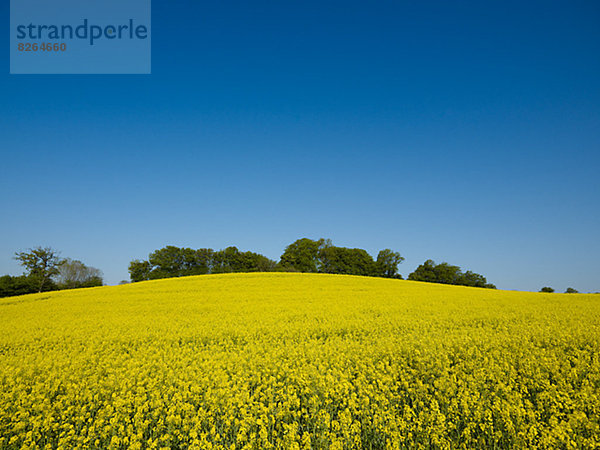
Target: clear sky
{"points": [[466, 132]]}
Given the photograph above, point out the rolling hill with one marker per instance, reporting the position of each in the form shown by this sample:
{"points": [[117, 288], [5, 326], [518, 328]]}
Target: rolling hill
{"points": [[288, 360]]}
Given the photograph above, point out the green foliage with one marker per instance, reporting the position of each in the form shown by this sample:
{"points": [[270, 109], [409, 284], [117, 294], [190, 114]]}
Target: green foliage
{"points": [[425, 272], [46, 271], [11, 286], [547, 289], [172, 261], [446, 273], [474, 279], [139, 270], [349, 261], [307, 255], [570, 290], [232, 260], [302, 255], [41, 264], [387, 263]]}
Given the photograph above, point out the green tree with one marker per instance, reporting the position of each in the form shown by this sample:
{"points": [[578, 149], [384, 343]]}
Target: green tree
{"points": [[227, 260], [172, 261], [387, 263], [203, 261], [11, 286], [570, 290], [307, 255], [446, 273], [139, 270], [232, 260], [425, 272], [41, 264], [546, 289], [166, 262], [349, 261], [303, 255], [264, 264], [473, 279]]}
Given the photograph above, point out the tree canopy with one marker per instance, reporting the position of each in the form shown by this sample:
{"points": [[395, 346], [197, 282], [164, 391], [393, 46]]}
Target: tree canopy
{"points": [[387, 263], [21, 285], [172, 261], [321, 256], [303, 255], [41, 264], [46, 271], [446, 273]]}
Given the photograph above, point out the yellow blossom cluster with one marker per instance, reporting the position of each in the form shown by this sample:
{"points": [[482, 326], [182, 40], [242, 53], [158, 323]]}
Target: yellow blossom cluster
{"points": [[298, 361]]}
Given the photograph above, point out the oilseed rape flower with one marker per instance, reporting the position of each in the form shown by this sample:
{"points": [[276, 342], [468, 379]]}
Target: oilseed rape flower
{"points": [[298, 361]]}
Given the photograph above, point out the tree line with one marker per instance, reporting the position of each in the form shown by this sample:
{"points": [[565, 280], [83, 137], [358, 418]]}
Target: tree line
{"points": [[173, 261], [446, 273], [46, 271], [303, 255]]}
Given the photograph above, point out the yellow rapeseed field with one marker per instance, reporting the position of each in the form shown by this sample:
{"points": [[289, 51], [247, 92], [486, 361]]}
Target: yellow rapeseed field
{"points": [[298, 361]]}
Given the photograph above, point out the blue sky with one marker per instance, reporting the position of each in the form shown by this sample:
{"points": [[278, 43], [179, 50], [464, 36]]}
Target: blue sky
{"points": [[466, 132]]}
